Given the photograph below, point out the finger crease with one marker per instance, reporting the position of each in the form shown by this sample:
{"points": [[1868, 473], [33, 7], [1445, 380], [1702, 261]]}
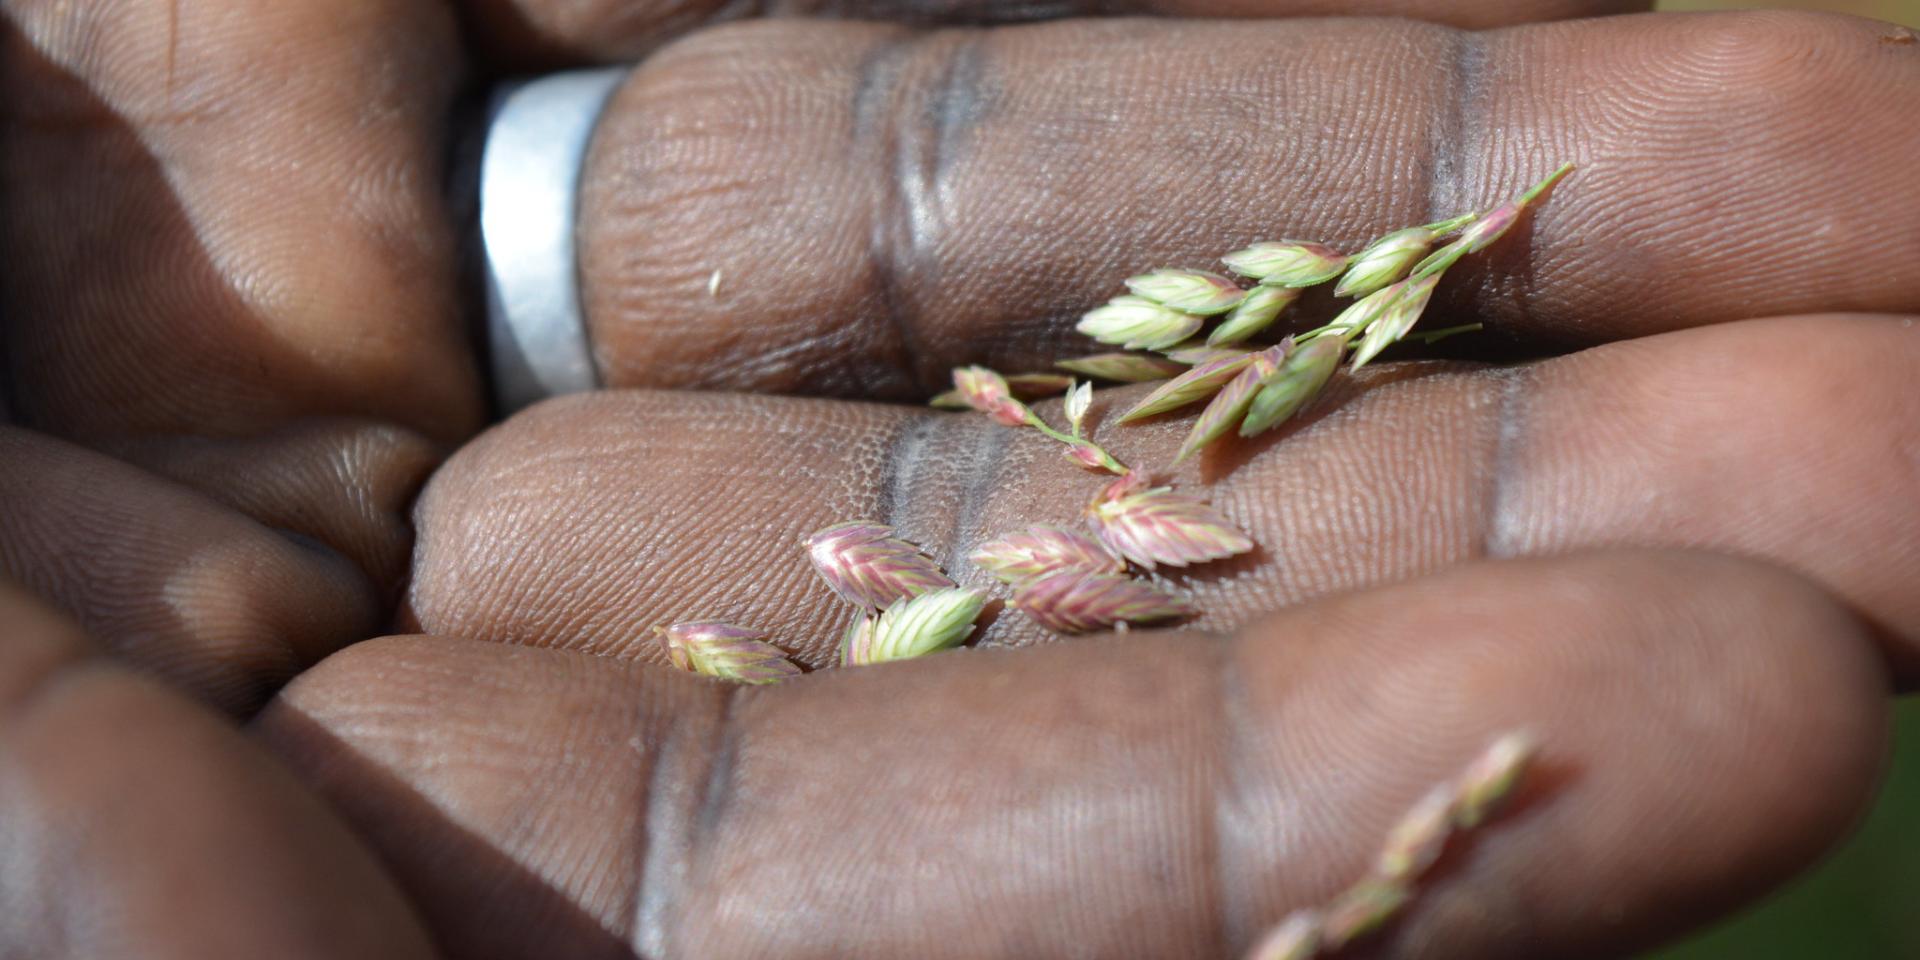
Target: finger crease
{"points": [[1230, 901], [1456, 124], [1496, 534], [916, 128]]}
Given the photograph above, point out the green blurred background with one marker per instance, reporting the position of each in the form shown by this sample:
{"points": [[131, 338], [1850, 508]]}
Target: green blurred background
{"points": [[1863, 903]]}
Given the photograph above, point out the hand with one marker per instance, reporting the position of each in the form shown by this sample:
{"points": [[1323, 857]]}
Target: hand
{"points": [[619, 509], [1712, 724]]}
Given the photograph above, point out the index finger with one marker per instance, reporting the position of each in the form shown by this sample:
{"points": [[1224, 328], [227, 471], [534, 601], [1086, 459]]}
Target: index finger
{"points": [[881, 205]]}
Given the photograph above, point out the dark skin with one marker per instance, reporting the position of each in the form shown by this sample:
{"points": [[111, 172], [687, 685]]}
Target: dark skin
{"points": [[245, 412]]}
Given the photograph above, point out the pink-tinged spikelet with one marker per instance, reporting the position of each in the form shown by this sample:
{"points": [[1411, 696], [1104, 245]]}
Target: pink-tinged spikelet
{"points": [[1123, 367], [988, 392], [1287, 263], [1295, 384], [866, 565], [1225, 410], [1154, 525], [1077, 601], [1043, 549], [1022, 386], [1194, 356], [726, 651], [1092, 458], [1195, 292], [1202, 381]]}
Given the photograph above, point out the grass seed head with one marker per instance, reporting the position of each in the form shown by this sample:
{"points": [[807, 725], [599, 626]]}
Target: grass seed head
{"points": [[1137, 323], [1287, 263], [1196, 292]]}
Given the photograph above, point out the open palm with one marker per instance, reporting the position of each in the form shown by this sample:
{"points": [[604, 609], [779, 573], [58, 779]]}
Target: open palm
{"points": [[1681, 550]]}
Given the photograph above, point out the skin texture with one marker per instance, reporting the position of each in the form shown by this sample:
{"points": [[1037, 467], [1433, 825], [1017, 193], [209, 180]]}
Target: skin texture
{"points": [[180, 586], [1165, 795], [139, 824], [233, 347], [609, 513], [884, 204], [529, 34]]}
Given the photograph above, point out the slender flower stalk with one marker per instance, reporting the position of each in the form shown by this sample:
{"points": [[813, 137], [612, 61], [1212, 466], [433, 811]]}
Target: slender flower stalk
{"points": [[1042, 549], [929, 622], [1435, 336], [1123, 367], [1154, 525], [1079, 601], [867, 566], [987, 392], [1490, 226], [723, 650]]}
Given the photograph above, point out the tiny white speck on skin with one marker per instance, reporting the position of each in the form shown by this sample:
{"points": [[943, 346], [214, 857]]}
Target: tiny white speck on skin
{"points": [[713, 283]]}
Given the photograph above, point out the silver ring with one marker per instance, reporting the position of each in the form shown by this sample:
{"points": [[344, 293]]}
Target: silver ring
{"points": [[537, 136]]}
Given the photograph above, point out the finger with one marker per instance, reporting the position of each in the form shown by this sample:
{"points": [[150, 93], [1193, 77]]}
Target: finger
{"points": [[545, 33], [587, 521], [133, 824], [1708, 726], [346, 484], [171, 582], [852, 209], [225, 217]]}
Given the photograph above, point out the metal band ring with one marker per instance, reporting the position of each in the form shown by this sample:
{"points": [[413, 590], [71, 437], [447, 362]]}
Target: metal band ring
{"points": [[537, 136]]}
